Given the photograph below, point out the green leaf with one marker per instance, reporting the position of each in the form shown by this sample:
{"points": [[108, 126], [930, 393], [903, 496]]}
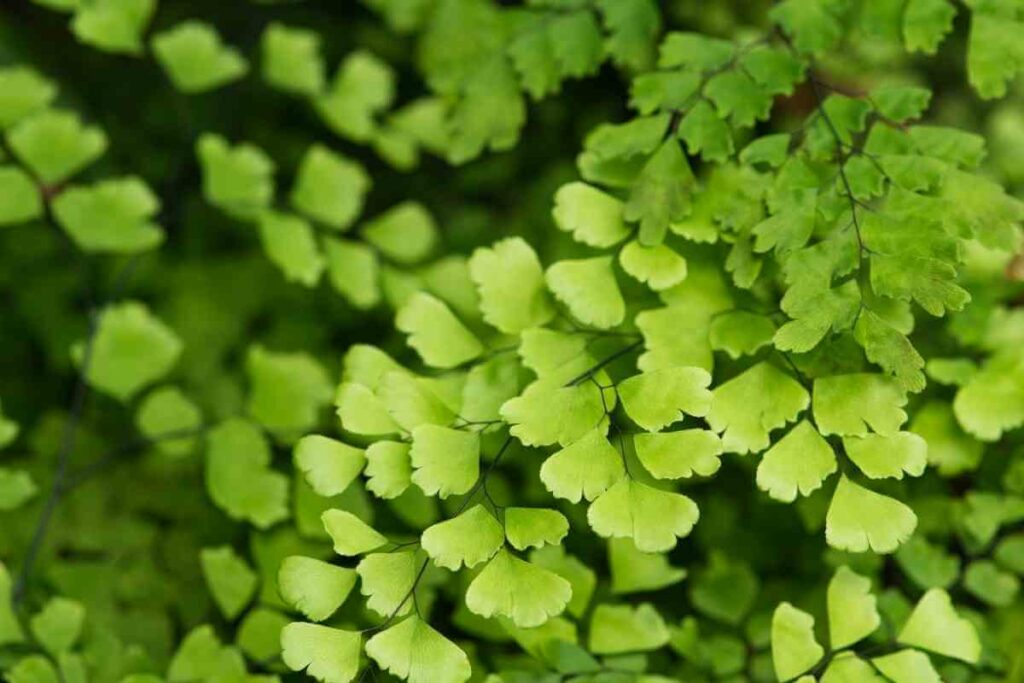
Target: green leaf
{"points": [[926, 23], [328, 465], [445, 461], [9, 429], [388, 469], [353, 269], [615, 629], [131, 350], [885, 345], [582, 579], [935, 626], [589, 289], [16, 488], [58, 625], [362, 87], [33, 669], [290, 244], [659, 267], [291, 59], [195, 58], [696, 50], [738, 97], [901, 102], [775, 69], [746, 408], [651, 517], [549, 412], [470, 538], [1010, 553], [110, 216], [412, 401], [663, 90], [632, 28], [799, 462], [634, 571], [990, 584], [813, 24], [201, 657], [238, 474], [994, 53], [681, 454], [436, 334], [166, 412], [907, 666], [387, 579], [847, 667], [314, 587], [794, 649], [412, 650], [238, 180], [286, 390], [772, 150], [351, 535], [527, 594], [20, 200], [880, 456], [113, 25], [661, 193], [329, 188], [23, 92], [706, 133], [327, 654], [927, 565], [231, 581], [850, 405], [534, 527], [585, 468], [10, 626], [259, 634], [740, 333], [593, 217], [859, 519], [725, 590], [992, 402], [405, 233], [510, 280], [852, 612], [658, 398], [55, 145]]}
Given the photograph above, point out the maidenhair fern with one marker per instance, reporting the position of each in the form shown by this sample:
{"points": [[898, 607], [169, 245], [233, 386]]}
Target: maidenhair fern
{"points": [[566, 340]]}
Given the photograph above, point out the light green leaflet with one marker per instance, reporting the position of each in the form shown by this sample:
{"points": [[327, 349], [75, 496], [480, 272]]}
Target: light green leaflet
{"points": [[406, 233], [195, 58], [798, 463], [23, 91], [16, 488], [469, 538], [534, 527], [436, 334], [20, 200], [327, 654], [353, 269], [10, 627], [388, 469], [651, 517], [56, 145], [593, 217], [510, 280], [935, 626], [238, 180], [231, 581], [110, 216], [850, 405], [386, 579], [740, 333], [634, 571], [615, 629], [658, 398], [58, 626], [131, 350], [794, 649], [907, 666], [414, 651], [888, 456], [681, 454], [167, 412], [748, 407], [589, 289], [548, 412], [315, 588], [659, 267], [328, 465], [291, 59], [860, 519], [113, 25], [351, 535], [525, 593], [852, 613], [238, 474], [286, 391], [290, 244], [583, 469], [445, 461], [362, 87], [329, 188]]}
